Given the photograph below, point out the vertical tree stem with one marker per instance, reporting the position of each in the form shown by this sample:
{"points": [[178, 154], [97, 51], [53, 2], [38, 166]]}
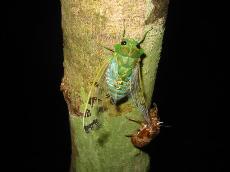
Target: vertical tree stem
{"points": [[86, 25]]}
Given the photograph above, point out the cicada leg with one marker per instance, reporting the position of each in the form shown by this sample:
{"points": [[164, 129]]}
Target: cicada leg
{"points": [[137, 121]]}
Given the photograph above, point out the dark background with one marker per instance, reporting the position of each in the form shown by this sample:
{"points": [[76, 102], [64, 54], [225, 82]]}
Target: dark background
{"points": [[187, 91]]}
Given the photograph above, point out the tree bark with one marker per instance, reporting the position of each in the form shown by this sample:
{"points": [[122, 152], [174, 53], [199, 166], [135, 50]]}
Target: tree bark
{"points": [[86, 25]]}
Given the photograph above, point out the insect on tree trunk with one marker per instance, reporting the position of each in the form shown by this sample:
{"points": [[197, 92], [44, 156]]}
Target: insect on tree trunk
{"points": [[89, 26]]}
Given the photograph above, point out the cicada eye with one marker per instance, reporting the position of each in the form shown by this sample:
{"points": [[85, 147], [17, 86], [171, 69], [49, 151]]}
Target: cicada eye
{"points": [[138, 46], [123, 42]]}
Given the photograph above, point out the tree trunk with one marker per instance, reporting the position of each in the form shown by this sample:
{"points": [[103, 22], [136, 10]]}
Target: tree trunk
{"points": [[86, 25]]}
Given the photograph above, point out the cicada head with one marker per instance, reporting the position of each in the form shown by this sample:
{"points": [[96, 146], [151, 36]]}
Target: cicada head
{"points": [[129, 48]]}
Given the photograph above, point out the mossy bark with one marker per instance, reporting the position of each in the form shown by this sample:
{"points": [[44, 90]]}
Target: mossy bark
{"points": [[86, 25]]}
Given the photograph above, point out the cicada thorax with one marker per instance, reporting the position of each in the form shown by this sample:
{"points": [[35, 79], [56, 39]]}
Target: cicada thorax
{"points": [[119, 74], [148, 131]]}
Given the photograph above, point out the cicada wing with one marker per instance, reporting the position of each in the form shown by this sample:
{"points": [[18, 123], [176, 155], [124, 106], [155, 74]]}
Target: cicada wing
{"points": [[94, 105], [137, 93]]}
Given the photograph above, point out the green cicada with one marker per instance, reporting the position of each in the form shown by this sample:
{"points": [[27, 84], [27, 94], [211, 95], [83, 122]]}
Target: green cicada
{"points": [[118, 78]]}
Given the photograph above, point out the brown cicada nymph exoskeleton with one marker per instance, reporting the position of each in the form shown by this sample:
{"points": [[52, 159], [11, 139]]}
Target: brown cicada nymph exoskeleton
{"points": [[148, 130]]}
